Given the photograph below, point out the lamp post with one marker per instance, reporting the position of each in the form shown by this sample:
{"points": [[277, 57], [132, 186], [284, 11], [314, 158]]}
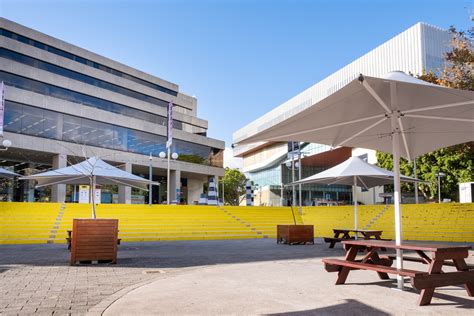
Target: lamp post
{"points": [[168, 156], [440, 175], [150, 189], [223, 196], [292, 165], [6, 144], [300, 166]]}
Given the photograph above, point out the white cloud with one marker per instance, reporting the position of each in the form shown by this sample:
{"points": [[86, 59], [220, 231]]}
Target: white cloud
{"points": [[231, 161]]}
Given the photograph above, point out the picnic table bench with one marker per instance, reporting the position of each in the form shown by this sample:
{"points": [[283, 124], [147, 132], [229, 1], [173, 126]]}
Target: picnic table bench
{"points": [[69, 240], [424, 281], [349, 234]]}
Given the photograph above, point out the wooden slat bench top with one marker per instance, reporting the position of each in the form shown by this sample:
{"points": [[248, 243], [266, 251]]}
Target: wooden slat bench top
{"points": [[406, 245], [420, 260], [373, 267], [356, 230]]}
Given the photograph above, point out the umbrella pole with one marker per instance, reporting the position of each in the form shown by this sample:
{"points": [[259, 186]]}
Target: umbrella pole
{"points": [[396, 192], [92, 191], [354, 197]]}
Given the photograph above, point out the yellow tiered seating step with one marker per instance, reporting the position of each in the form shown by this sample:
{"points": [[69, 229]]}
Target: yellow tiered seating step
{"points": [[43, 222]]}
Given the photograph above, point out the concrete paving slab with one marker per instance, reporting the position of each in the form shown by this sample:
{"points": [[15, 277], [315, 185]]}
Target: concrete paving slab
{"points": [[249, 276], [282, 287]]}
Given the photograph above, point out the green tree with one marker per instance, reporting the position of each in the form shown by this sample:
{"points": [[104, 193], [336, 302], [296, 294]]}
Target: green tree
{"points": [[456, 161], [234, 185]]}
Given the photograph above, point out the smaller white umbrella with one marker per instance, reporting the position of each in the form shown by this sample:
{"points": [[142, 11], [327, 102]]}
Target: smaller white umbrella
{"points": [[92, 171], [356, 172], [4, 173]]}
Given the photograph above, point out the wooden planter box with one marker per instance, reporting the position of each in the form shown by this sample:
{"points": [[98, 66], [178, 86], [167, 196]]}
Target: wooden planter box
{"points": [[94, 240], [295, 234]]}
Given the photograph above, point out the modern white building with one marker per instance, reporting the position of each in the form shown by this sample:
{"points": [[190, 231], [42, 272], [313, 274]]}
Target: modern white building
{"points": [[417, 49]]}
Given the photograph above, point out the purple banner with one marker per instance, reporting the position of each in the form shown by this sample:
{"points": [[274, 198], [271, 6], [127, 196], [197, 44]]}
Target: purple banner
{"points": [[2, 106], [169, 142]]}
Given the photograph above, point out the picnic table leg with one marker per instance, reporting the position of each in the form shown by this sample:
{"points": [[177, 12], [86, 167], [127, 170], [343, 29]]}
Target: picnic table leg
{"points": [[427, 294], [376, 259], [333, 242], [461, 266], [344, 272]]}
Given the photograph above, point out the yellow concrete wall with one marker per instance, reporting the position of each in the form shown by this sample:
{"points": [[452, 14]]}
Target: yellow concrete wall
{"points": [[26, 223]]}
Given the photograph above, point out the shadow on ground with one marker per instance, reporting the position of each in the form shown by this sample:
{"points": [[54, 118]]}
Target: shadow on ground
{"points": [[171, 254], [350, 307]]}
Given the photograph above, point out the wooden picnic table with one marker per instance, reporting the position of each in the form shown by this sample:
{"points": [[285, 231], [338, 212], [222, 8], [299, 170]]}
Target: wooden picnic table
{"points": [[350, 234], [424, 281]]}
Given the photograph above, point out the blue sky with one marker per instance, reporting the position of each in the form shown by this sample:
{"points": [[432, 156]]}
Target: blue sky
{"points": [[239, 58]]}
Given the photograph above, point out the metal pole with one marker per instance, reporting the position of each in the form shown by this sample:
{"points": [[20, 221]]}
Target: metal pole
{"points": [[282, 190], [299, 178], [415, 184], [168, 178], [396, 191], [293, 198], [92, 190], [354, 194], [223, 196], [439, 188], [150, 189]]}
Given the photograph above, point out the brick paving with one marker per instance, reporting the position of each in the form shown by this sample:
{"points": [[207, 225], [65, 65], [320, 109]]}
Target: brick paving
{"points": [[37, 278]]}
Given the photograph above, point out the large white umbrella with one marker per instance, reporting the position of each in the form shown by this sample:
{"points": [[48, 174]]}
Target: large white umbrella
{"points": [[358, 173], [398, 114], [91, 171], [4, 173]]}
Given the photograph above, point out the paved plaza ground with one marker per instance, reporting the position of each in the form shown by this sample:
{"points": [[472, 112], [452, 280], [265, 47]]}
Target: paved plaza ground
{"points": [[204, 277]]}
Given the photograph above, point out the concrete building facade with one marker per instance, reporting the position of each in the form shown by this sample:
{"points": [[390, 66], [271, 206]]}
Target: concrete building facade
{"points": [[419, 48], [64, 103]]}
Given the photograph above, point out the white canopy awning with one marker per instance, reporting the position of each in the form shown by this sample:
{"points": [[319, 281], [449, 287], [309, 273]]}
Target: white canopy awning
{"points": [[398, 114], [355, 171], [359, 115], [81, 173], [4, 173]]}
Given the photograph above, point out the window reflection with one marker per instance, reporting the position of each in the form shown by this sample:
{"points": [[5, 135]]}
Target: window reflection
{"points": [[84, 61], [33, 62], [76, 97], [28, 120]]}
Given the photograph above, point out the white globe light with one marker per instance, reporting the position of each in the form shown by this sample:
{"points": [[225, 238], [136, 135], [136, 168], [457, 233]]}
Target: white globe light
{"points": [[6, 143], [288, 164], [174, 156], [297, 165], [162, 154]]}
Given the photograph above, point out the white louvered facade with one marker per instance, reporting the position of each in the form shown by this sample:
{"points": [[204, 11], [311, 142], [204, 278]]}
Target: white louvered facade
{"points": [[419, 48]]}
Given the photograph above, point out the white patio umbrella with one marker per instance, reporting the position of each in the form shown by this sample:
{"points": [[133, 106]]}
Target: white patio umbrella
{"points": [[358, 173], [398, 114], [4, 173], [91, 171]]}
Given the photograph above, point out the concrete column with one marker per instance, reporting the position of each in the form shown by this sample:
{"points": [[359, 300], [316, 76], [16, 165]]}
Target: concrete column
{"points": [[175, 184], [125, 192], [58, 191], [195, 190], [216, 179], [29, 186]]}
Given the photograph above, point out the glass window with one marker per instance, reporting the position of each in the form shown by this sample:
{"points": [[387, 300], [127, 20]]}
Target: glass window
{"points": [[33, 62], [65, 94], [84, 61], [29, 120]]}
